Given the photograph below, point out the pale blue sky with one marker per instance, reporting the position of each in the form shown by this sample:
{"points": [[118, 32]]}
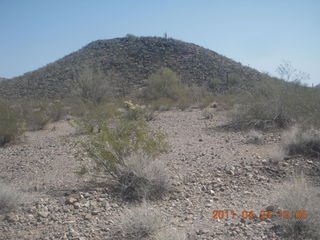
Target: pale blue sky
{"points": [[258, 33]]}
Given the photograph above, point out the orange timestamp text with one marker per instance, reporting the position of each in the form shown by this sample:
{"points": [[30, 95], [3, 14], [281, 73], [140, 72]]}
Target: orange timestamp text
{"points": [[262, 215]]}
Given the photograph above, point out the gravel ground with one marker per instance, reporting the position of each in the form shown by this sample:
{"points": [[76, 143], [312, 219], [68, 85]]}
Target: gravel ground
{"points": [[210, 169]]}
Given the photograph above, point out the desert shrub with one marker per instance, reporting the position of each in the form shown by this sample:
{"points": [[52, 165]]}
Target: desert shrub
{"points": [[164, 84], [10, 124], [113, 149], [89, 117], [140, 223], [198, 96], [277, 104], [9, 198], [298, 195], [142, 177], [170, 234], [162, 104], [55, 110], [255, 137], [35, 114], [149, 114], [146, 222], [215, 84], [299, 141], [133, 111], [207, 113], [92, 86]]}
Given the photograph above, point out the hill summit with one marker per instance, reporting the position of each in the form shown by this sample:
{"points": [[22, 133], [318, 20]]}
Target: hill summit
{"points": [[128, 62]]}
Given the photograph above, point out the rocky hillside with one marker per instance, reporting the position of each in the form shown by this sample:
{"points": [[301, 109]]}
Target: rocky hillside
{"points": [[128, 62]]}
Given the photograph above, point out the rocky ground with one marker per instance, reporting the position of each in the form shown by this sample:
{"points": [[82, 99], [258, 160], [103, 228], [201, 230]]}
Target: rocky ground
{"points": [[210, 169]]}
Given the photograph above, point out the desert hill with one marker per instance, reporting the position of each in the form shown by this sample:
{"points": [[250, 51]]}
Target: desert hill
{"points": [[129, 62]]}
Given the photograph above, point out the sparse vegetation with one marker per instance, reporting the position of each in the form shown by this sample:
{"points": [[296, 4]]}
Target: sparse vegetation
{"points": [[35, 114], [92, 86], [255, 137], [142, 177], [277, 104], [10, 124], [146, 222], [164, 84], [9, 198], [126, 149], [298, 195], [207, 113], [300, 141], [140, 223]]}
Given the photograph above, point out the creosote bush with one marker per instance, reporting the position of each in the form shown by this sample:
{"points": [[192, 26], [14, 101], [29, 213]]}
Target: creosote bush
{"points": [[126, 150], [92, 86], [298, 195], [164, 84], [10, 124], [164, 90], [299, 141]]}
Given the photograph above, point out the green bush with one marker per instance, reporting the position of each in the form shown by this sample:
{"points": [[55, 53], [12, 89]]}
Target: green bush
{"points": [[164, 84], [126, 149], [92, 86], [35, 114], [277, 104], [10, 124]]}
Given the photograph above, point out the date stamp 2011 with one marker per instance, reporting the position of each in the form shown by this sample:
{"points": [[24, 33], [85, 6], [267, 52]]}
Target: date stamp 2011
{"points": [[262, 215]]}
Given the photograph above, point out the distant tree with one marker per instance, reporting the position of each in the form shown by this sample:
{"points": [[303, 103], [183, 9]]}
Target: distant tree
{"points": [[289, 73]]}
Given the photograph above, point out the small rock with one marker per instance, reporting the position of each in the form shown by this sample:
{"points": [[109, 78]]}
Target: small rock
{"points": [[43, 214], [76, 205], [87, 217], [270, 208], [71, 200], [11, 218], [202, 231]]}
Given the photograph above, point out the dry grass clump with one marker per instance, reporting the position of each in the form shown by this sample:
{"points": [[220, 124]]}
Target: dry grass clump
{"points": [[140, 223], [298, 195], [142, 177], [170, 234], [207, 113], [299, 141], [9, 198], [255, 137], [146, 222]]}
